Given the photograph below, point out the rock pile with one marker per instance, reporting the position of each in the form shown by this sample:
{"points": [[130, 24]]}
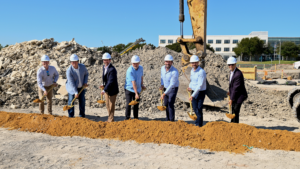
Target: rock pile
{"points": [[19, 63]]}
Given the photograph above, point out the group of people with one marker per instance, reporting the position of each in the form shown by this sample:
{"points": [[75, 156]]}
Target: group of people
{"points": [[77, 79]]}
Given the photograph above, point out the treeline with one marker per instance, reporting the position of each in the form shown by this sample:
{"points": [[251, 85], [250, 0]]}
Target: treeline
{"points": [[256, 47]]}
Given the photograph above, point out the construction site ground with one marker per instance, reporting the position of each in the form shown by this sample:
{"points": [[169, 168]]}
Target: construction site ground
{"points": [[35, 150]]}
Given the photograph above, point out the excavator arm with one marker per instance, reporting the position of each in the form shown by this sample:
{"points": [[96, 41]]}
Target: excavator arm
{"points": [[198, 14]]}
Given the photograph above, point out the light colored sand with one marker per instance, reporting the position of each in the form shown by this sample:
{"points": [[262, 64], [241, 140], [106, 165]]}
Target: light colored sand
{"points": [[35, 150]]}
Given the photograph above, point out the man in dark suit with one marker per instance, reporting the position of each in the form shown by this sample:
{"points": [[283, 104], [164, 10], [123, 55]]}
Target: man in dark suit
{"points": [[109, 86], [237, 90]]}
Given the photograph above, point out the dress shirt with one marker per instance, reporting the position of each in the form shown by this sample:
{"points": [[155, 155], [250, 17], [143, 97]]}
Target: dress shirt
{"points": [[43, 79], [169, 79]]}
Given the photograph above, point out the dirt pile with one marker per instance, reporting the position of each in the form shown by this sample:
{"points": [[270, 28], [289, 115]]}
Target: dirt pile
{"points": [[216, 136]]}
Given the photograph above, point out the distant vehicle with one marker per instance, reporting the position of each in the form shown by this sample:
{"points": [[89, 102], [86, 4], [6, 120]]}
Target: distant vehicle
{"points": [[297, 65]]}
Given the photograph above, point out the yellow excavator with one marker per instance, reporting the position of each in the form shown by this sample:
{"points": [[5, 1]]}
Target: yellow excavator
{"points": [[198, 14]]}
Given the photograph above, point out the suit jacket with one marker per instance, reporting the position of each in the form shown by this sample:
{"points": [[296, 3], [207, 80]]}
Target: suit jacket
{"points": [[237, 88], [110, 80]]}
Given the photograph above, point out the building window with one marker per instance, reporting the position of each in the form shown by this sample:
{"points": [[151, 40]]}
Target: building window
{"points": [[235, 41], [210, 41], [226, 41], [162, 41], [218, 49], [233, 49], [226, 49], [170, 41], [218, 41]]}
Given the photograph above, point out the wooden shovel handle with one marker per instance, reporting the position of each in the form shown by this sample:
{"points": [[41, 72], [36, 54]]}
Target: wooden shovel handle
{"points": [[47, 92], [78, 95], [191, 106]]}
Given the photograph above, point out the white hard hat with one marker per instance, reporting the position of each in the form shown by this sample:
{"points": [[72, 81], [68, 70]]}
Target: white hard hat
{"points": [[231, 60], [74, 57], [45, 58], [135, 59], [169, 58], [194, 58], [106, 56]]}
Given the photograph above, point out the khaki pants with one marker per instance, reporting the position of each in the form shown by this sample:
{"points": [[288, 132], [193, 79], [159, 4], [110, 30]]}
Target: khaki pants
{"points": [[110, 106], [49, 99]]}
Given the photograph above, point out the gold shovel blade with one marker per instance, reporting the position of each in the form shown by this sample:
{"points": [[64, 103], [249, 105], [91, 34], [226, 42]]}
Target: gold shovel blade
{"points": [[67, 107], [101, 101], [230, 116], [193, 116], [133, 102], [37, 101], [161, 108]]}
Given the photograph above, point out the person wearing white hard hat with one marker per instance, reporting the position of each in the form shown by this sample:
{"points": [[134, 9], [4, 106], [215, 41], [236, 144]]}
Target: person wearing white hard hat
{"points": [[109, 86], [237, 90], [133, 86], [198, 88], [46, 77], [169, 84], [77, 78]]}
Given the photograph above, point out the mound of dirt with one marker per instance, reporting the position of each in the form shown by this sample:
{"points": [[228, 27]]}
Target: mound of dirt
{"points": [[216, 136]]}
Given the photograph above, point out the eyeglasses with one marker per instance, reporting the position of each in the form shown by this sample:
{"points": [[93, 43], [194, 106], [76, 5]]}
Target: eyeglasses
{"points": [[48, 73], [230, 64]]}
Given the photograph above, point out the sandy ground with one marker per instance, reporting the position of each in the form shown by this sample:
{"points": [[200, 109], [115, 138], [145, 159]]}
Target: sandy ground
{"points": [[35, 150]]}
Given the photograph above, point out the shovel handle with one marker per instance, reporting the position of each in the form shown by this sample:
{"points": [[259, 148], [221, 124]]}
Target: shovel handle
{"points": [[229, 106], [78, 94], [161, 99], [191, 106], [47, 92]]}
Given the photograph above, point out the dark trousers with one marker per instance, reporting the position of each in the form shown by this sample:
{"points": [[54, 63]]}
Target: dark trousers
{"points": [[197, 104], [129, 97], [169, 101], [81, 100], [236, 107]]}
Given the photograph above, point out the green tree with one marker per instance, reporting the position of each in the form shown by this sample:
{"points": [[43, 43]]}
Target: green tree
{"points": [[6, 46], [118, 48], [288, 49], [104, 49], [249, 46], [1, 47]]}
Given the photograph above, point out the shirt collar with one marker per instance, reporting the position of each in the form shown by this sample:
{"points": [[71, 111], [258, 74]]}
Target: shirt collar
{"points": [[105, 67], [134, 69], [197, 69], [233, 71], [169, 69]]}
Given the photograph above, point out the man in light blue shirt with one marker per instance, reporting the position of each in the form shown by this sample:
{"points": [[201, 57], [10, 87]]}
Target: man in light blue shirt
{"points": [[133, 86], [77, 78], [46, 77], [169, 83], [198, 87]]}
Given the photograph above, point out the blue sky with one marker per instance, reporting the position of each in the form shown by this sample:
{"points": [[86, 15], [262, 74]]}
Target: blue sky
{"points": [[112, 22]]}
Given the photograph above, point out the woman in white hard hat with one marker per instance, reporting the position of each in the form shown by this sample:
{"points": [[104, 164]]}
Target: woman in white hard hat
{"points": [[169, 84], [237, 90], [46, 77], [77, 77], [110, 85], [198, 87], [133, 86]]}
